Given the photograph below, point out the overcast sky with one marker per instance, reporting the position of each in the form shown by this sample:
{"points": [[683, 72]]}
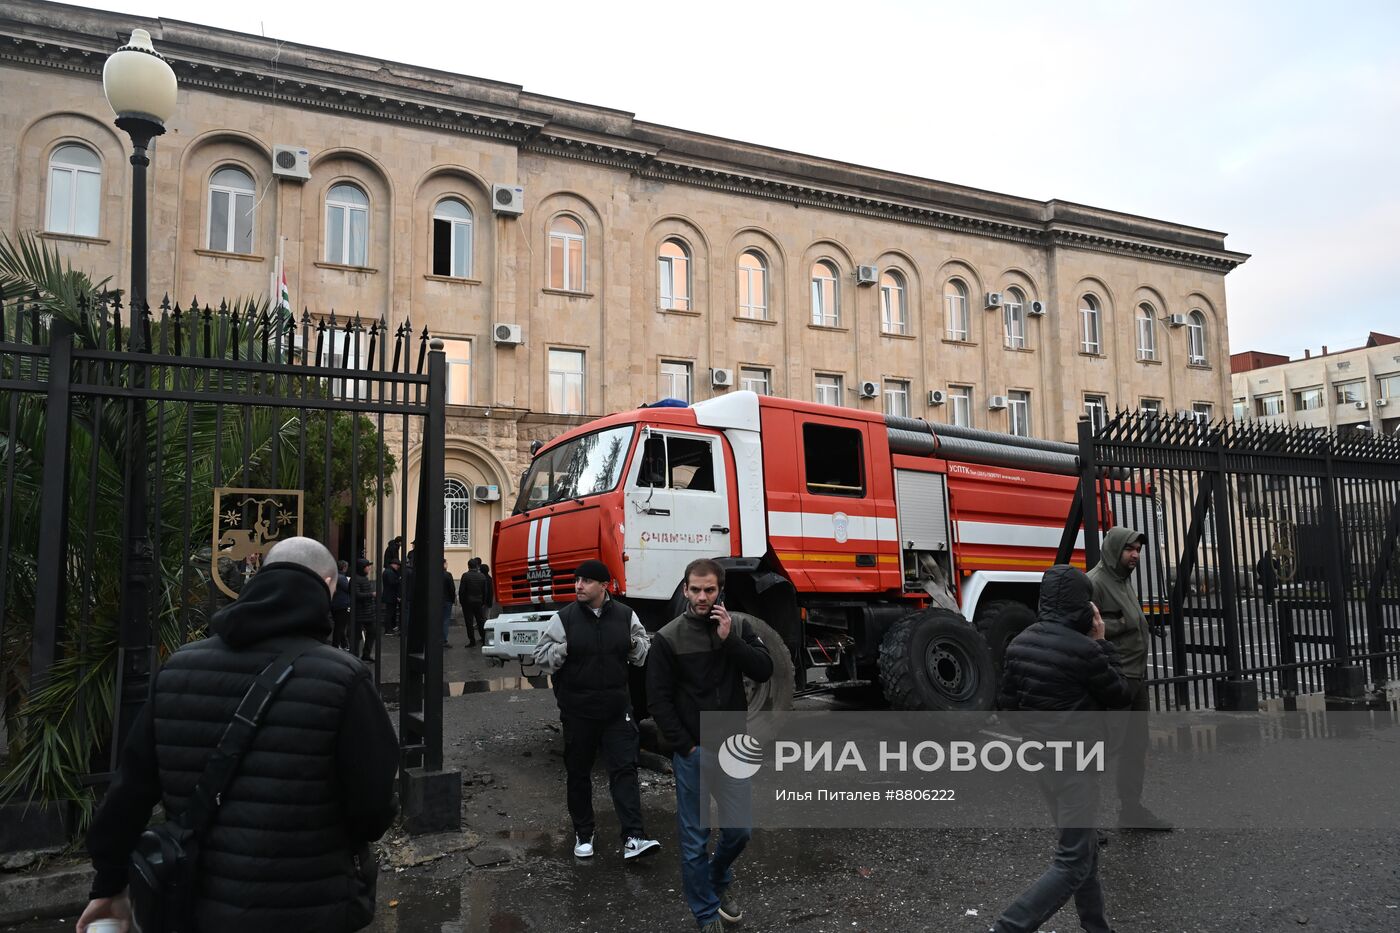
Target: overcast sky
{"points": [[1275, 122]]}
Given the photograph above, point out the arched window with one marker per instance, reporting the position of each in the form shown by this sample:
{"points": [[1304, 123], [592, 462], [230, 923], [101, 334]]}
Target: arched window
{"points": [[457, 510], [566, 254], [673, 276], [1013, 317], [1196, 338], [753, 285], [1090, 325], [894, 307], [75, 190], [1146, 332], [957, 324], [347, 226], [452, 239], [231, 200], [826, 297]]}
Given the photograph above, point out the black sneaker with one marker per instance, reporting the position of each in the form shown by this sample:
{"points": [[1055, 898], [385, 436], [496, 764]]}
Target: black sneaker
{"points": [[1143, 819], [729, 909]]}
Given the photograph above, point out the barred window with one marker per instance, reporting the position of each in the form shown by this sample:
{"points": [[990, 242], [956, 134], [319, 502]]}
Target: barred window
{"points": [[457, 509]]}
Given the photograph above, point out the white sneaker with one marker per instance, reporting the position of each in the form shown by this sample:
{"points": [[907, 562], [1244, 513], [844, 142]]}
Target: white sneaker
{"points": [[583, 848], [636, 846]]}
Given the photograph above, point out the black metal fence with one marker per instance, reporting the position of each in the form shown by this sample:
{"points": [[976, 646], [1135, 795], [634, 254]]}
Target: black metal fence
{"points": [[1271, 568], [229, 428]]}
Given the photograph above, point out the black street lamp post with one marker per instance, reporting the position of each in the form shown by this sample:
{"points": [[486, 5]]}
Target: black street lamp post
{"points": [[140, 85]]}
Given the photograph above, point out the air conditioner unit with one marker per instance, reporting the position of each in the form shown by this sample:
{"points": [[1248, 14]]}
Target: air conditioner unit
{"points": [[721, 377], [993, 300], [486, 493], [1176, 320], [869, 389], [1382, 402], [291, 162], [937, 396], [1037, 308], [508, 335], [867, 275], [996, 402], [508, 199], [1360, 405]]}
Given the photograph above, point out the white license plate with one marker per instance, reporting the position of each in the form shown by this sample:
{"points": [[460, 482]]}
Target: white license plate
{"points": [[524, 638]]}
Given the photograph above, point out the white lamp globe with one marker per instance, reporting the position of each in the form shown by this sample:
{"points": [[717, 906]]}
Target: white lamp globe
{"points": [[138, 81]]}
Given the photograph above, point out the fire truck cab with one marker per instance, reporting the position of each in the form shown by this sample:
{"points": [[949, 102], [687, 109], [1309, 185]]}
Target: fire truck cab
{"points": [[871, 546]]}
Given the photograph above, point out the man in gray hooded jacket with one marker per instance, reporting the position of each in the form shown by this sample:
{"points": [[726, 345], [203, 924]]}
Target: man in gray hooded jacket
{"points": [[1125, 627]]}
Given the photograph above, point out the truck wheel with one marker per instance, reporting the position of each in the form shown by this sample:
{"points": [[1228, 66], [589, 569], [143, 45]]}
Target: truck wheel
{"points": [[776, 693], [999, 622], [935, 660]]}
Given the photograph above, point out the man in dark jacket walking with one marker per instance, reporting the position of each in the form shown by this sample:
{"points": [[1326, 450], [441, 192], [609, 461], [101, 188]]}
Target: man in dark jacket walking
{"points": [[392, 581], [289, 847], [587, 647], [698, 663], [1062, 665], [340, 606], [473, 596], [1125, 626], [366, 611]]}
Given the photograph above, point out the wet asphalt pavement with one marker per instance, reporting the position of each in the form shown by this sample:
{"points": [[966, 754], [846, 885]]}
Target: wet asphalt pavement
{"points": [[506, 742]]}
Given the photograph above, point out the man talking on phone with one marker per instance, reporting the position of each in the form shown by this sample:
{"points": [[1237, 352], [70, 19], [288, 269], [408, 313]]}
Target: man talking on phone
{"points": [[698, 662]]}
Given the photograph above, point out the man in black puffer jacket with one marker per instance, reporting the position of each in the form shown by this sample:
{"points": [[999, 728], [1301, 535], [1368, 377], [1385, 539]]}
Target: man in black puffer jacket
{"points": [[1062, 665], [289, 848]]}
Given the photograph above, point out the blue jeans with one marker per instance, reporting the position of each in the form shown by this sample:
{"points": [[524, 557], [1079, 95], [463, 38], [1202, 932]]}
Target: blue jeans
{"points": [[703, 876]]}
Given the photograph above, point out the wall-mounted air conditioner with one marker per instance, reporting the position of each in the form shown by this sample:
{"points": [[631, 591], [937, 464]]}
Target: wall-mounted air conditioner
{"points": [[508, 335], [1037, 308], [1360, 404], [996, 402], [867, 275], [486, 493], [869, 389], [508, 199], [1382, 402], [1176, 320], [291, 162], [994, 300], [721, 378], [937, 396]]}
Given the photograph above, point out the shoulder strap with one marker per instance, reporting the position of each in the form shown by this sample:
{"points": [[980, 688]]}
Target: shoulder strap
{"points": [[234, 743]]}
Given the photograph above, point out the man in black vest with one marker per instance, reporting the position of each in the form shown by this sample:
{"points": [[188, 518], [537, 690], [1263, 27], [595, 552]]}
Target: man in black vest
{"points": [[587, 648], [289, 848]]}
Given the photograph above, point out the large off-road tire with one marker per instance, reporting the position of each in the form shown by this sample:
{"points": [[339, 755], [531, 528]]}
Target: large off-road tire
{"points": [[935, 660], [776, 694], [1000, 621]]}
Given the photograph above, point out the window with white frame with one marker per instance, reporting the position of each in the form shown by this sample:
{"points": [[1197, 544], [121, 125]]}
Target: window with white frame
{"points": [[1308, 399], [1013, 318], [960, 406], [1266, 405], [1090, 325], [1203, 412], [1349, 393], [566, 382], [829, 389], [756, 379], [1388, 386], [673, 276], [459, 370], [232, 197], [957, 325], [347, 226], [894, 303], [1240, 409], [675, 380], [1196, 338], [1096, 407], [826, 295], [1018, 407], [1152, 407], [753, 285], [1146, 332], [75, 191], [457, 514], [566, 254], [897, 397], [452, 239]]}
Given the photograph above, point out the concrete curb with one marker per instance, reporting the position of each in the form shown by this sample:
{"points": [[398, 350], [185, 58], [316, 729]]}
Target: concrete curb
{"points": [[55, 893]]}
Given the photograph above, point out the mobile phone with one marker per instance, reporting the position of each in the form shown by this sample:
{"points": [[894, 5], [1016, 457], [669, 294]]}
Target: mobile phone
{"points": [[719, 601]]}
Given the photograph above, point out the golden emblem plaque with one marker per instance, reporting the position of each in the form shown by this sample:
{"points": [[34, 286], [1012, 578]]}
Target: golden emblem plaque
{"points": [[247, 523]]}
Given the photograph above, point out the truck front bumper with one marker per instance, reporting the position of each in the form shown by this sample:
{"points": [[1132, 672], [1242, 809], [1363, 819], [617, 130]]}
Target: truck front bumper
{"points": [[512, 636]]}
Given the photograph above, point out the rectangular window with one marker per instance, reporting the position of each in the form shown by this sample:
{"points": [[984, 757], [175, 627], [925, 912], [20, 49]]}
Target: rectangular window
{"points": [[1014, 317], [835, 460], [960, 406], [897, 397], [1350, 392], [1018, 406], [1096, 407], [1308, 399], [1150, 406], [1266, 405], [459, 371], [1389, 386], [1241, 409], [958, 325], [1203, 412], [566, 382], [1147, 337], [824, 302], [829, 389], [675, 380], [755, 379], [1090, 337]]}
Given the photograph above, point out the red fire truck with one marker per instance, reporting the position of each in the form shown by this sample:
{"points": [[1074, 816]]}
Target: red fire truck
{"points": [[868, 545]]}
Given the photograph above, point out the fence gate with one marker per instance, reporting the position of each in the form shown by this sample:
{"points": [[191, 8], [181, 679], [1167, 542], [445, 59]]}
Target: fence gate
{"points": [[142, 487], [1271, 568]]}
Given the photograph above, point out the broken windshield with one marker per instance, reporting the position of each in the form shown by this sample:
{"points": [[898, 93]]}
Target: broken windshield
{"points": [[584, 466]]}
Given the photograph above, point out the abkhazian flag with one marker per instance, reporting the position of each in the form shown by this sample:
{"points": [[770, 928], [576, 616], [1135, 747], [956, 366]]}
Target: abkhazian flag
{"points": [[284, 296]]}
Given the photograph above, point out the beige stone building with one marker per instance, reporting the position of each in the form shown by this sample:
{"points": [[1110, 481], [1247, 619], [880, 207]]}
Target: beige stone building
{"points": [[1340, 390], [634, 261]]}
